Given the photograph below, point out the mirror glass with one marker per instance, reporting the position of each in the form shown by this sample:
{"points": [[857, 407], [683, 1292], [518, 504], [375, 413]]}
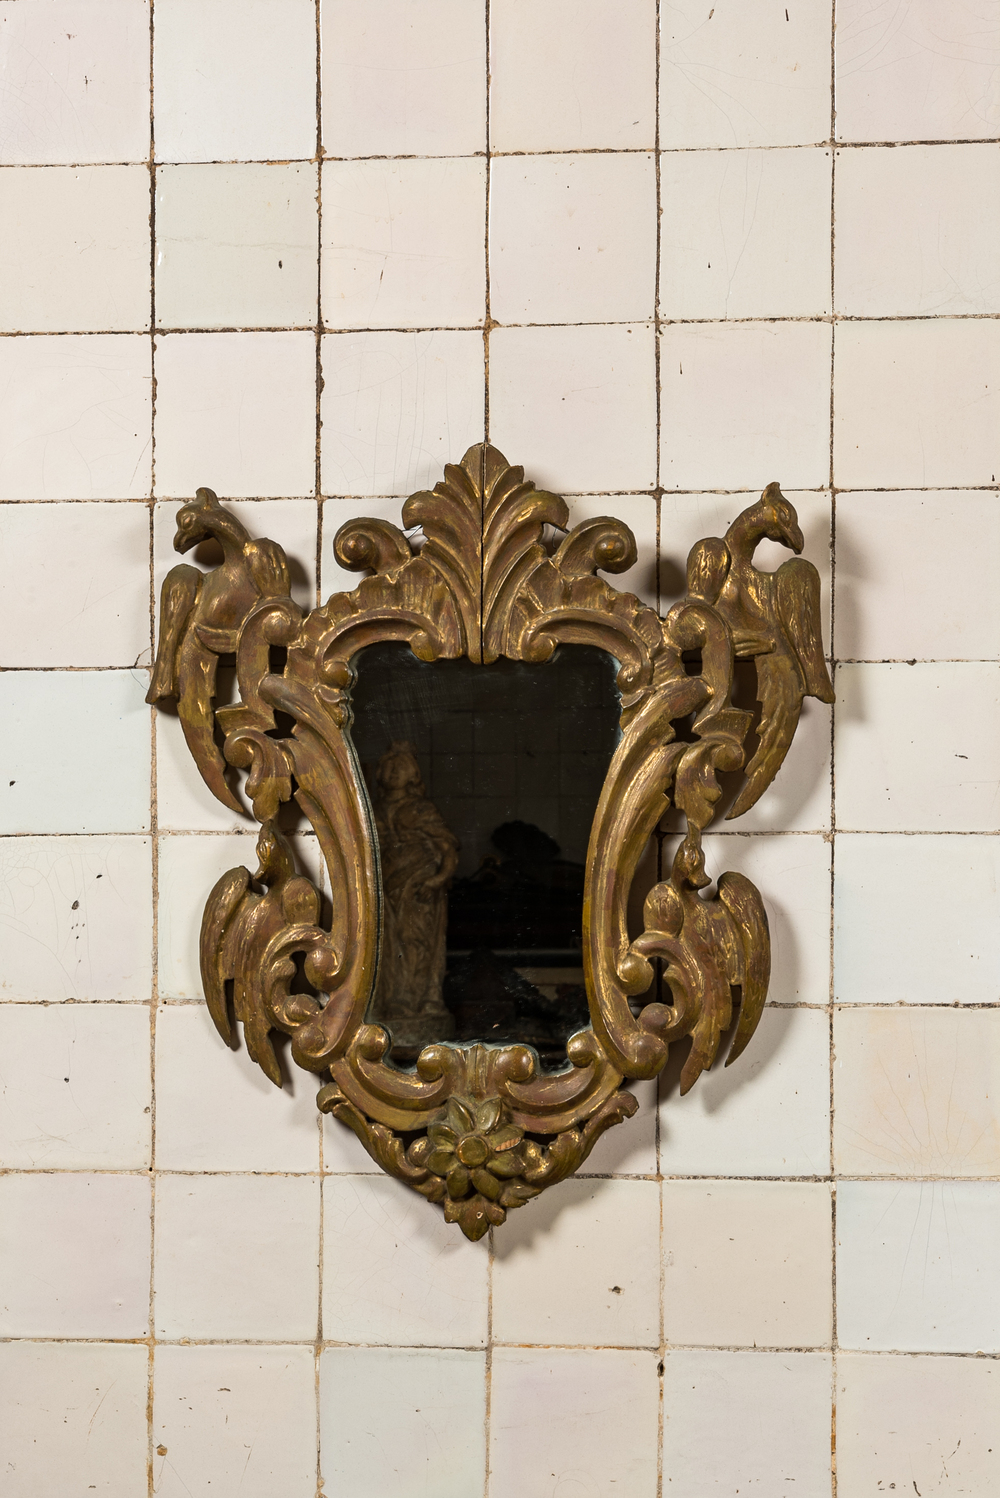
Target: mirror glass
{"points": [[484, 781]]}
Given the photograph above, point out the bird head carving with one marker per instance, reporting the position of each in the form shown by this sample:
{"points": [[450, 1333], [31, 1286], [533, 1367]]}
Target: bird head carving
{"points": [[203, 518], [779, 519]]}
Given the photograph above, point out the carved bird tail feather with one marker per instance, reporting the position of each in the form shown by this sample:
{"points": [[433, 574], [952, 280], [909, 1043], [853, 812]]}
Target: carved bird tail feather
{"points": [[724, 940], [177, 598], [780, 694], [797, 594]]}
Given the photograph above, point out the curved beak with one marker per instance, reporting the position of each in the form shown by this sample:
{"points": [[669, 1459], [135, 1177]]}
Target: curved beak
{"points": [[184, 540], [794, 537]]}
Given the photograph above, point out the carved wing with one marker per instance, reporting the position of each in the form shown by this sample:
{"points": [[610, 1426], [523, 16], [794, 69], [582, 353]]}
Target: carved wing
{"points": [[178, 597], [797, 589], [780, 693], [707, 568], [250, 939], [748, 921], [226, 897]]}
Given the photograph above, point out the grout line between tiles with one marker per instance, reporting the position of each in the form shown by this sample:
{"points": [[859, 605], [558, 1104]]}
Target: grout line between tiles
{"points": [[751, 1349], [318, 1121], [833, 747], [354, 331], [646, 150], [487, 325], [143, 1171], [657, 1134], [153, 805], [649, 493]]}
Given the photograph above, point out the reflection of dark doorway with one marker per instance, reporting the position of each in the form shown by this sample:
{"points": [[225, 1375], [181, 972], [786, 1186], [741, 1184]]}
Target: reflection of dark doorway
{"points": [[513, 757]]}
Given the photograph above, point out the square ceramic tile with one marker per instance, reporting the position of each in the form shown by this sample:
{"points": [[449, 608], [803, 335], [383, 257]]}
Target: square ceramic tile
{"points": [[925, 1424], [745, 233], [75, 256], [793, 877], [403, 243], [581, 1265], [189, 869], [397, 407], [639, 513], [395, 1271], [406, 1421], [209, 1226], [798, 799], [746, 404], [916, 1092], [77, 413], [918, 747], [573, 1421], [917, 404], [236, 246], [191, 863], [909, 584], [184, 801], [916, 1266], [767, 1115], [732, 76], [572, 75], [886, 951], [252, 95], [76, 587], [747, 1263], [77, 81], [576, 406], [236, 412], [403, 81], [74, 1255], [71, 1412], [777, 1427], [74, 1087], [254, 1435], [101, 784], [573, 238], [76, 918], [215, 1108], [923, 72], [628, 1149], [917, 230]]}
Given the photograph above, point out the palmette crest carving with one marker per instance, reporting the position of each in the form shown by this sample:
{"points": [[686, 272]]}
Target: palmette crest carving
{"points": [[481, 1128]]}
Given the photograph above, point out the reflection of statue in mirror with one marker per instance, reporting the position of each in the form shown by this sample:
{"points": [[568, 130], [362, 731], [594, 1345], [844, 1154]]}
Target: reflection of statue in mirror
{"points": [[419, 855]]}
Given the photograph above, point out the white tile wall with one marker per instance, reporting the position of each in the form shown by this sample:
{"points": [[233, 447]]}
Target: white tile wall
{"points": [[347, 239], [236, 245], [777, 1425]]}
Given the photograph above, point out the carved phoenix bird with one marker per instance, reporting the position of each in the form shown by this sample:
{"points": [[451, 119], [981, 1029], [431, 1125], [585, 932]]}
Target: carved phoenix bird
{"points": [[200, 618], [775, 620]]}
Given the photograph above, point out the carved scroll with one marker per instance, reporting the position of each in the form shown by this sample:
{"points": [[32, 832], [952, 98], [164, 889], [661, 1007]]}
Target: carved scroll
{"points": [[492, 1130]]}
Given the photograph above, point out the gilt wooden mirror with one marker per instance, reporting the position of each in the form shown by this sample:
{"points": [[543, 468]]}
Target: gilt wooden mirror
{"points": [[484, 735]]}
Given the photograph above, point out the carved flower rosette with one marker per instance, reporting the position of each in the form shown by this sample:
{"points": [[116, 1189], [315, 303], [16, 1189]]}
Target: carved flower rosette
{"points": [[493, 573]]}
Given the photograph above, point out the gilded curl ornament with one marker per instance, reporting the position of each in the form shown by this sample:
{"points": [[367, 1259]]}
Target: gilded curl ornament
{"points": [[481, 1128]]}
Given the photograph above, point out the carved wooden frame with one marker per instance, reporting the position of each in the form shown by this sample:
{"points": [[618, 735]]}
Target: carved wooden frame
{"points": [[481, 1128]]}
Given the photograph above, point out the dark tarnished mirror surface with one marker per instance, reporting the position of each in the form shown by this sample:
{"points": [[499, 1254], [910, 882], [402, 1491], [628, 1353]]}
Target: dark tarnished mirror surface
{"points": [[484, 781]]}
